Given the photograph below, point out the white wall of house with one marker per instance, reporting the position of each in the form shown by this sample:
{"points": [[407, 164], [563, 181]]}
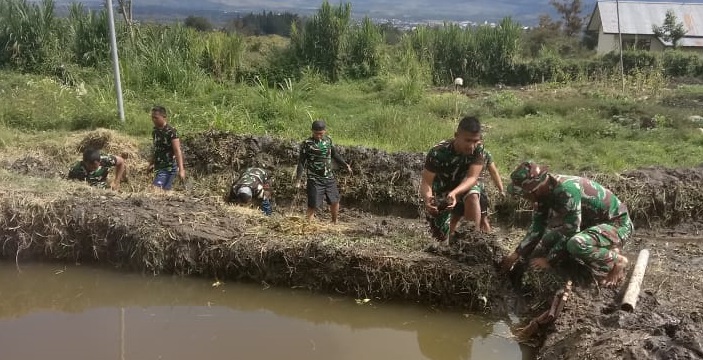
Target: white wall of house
{"points": [[606, 42]]}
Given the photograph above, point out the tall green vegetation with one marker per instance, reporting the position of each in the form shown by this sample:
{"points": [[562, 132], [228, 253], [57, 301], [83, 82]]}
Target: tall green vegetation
{"points": [[177, 58]]}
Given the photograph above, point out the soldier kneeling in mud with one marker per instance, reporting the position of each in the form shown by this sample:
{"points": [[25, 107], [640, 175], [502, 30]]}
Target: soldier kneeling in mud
{"points": [[587, 222], [253, 183], [95, 167]]}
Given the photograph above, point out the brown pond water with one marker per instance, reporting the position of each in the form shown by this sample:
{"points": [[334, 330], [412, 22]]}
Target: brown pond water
{"points": [[58, 312]]}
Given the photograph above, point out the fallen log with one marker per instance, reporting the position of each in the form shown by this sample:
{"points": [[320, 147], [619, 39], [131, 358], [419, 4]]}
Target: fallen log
{"points": [[629, 300]]}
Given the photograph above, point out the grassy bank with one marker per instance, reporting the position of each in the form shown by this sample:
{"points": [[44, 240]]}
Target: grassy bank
{"points": [[574, 128]]}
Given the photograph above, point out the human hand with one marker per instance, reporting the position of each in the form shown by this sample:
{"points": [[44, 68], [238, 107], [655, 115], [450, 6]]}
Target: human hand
{"points": [[451, 200], [114, 185], [182, 174], [540, 263], [431, 208], [509, 261]]}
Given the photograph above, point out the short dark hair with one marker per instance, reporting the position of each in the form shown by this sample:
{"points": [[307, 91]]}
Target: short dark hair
{"points": [[469, 124], [159, 110], [91, 155], [318, 125]]}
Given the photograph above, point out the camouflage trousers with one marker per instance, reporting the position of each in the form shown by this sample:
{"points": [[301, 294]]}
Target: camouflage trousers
{"points": [[598, 246]]}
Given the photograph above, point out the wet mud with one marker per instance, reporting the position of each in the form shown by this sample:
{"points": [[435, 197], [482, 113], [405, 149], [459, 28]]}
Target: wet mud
{"points": [[381, 249]]}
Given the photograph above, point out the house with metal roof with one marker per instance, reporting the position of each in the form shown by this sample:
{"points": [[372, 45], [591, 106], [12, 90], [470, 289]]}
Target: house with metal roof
{"points": [[634, 19]]}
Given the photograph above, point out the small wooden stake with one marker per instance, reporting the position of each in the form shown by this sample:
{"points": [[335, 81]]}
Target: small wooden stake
{"points": [[633, 289]]}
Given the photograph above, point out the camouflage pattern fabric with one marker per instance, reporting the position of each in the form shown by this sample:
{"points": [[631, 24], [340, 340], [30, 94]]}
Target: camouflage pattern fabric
{"points": [[581, 218], [254, 178], [450, 168], [316, 158], [97, 178], [526, 178], [480, 186], [164, 157]]}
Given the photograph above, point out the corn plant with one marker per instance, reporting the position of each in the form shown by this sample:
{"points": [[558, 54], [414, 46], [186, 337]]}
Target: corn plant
{"points": [[28, 34], [89, 31]]}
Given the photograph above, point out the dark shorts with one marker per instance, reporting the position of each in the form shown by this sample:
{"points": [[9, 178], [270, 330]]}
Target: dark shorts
{"points": [[322, 189], [164, 177]]}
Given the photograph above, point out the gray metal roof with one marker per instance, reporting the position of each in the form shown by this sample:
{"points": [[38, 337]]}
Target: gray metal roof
{"points": [[638, 17]]}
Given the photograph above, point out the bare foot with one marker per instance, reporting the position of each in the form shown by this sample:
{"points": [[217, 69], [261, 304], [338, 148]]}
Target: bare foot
{"points": [[617, 273]]}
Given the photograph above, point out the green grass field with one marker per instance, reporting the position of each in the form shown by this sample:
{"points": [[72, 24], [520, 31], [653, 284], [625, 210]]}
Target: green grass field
{"points": [[572, 127]]}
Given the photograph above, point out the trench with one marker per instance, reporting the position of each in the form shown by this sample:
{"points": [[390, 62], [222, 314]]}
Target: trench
{"points": [[92, 313]]}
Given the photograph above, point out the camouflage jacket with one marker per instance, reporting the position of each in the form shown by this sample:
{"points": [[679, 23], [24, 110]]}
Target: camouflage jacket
{"points": [[450, 167], [164, 158], [573, 204], [97, 178], [316, 157], [255, 178]]}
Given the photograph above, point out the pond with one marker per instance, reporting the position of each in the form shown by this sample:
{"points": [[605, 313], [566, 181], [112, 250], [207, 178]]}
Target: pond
{"points": [[60, 312]]}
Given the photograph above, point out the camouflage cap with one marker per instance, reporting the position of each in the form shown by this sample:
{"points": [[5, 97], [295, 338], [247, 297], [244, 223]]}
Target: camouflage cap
{"points": [[527, 177]]}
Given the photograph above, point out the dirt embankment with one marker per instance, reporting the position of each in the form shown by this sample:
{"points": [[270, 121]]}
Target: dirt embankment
{"points": [[361, 257], [377, 256]]}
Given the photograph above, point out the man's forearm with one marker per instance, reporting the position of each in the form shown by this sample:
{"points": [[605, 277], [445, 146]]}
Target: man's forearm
{"points": [[465, 185]]}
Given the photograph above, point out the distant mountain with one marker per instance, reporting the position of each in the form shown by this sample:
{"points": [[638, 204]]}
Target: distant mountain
{"points": [[524, 11]]}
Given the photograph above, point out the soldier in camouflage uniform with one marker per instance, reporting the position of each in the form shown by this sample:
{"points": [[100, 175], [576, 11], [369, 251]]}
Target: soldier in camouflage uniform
{"points": [[574, 216], [452, 167], [253, 183], [316, 154], [478, 198], [95, 167], [167, 161]]}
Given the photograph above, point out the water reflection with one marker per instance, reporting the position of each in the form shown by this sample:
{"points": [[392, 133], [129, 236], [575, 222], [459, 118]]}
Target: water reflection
{"points": [[84, 313]]}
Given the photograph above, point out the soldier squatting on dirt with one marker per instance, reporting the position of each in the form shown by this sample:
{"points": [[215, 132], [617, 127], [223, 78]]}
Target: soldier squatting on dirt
{"points": [[95, 167], [167, 161], [586, 221], [316, 154], [452, 167], [253, 183]]}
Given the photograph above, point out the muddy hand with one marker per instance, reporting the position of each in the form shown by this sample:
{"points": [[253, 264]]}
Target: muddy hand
{"points": [[509, 261], [539, 263], [451, 200], [431, 209]]}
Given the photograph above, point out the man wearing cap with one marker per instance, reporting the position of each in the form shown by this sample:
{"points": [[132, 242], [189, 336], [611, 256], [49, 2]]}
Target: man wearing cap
{"points": [[253, 183], [585, 220], [452, 167], [316, 154]]}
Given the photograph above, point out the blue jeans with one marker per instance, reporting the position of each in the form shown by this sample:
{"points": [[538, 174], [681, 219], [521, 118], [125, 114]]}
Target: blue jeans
{"points": [[164, 177]]}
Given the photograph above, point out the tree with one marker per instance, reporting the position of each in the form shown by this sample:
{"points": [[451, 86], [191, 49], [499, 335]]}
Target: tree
{"points": [[570, 11], [198, 23], [670, 30]]}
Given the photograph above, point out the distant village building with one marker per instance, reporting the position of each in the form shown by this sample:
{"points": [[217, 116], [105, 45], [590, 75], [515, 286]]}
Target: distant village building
{"points": [[636, 20]]}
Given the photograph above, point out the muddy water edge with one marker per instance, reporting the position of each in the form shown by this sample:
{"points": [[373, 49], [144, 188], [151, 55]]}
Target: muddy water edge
{"points": [[66, 312]]}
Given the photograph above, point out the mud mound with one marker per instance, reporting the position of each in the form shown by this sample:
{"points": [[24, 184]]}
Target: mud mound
{"points": [[32, 166], [666, 324], [378, 178], [175, 234], [472, 248]]}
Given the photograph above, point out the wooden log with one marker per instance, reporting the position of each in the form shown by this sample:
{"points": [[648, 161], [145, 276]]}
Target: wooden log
{"points": [[629, 300]]}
